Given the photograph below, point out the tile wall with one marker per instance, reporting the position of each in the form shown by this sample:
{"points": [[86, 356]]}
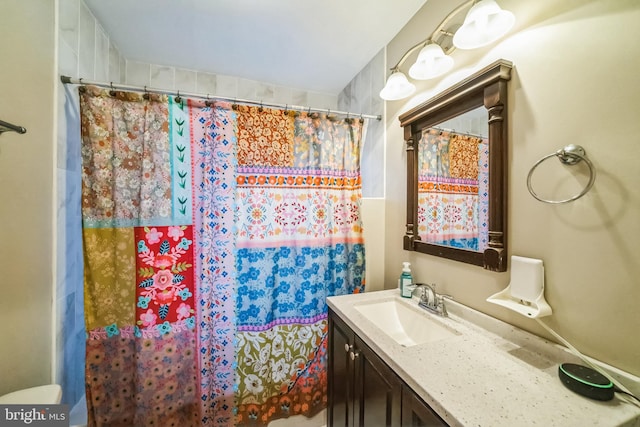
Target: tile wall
{"points": [[361, 96], [84, 50], [166, 77]]}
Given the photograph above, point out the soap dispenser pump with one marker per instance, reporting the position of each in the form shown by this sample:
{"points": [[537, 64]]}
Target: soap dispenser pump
{"points": [[406, 281]]}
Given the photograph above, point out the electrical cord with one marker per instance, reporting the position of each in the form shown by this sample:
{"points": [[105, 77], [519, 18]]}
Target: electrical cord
{"points": [[618, 387], [618, 390]]}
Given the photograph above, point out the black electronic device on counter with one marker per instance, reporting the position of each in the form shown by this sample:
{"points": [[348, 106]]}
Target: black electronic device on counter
{"points": [[585, 381]]}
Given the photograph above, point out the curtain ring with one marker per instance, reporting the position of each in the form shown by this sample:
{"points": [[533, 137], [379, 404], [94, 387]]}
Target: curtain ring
{"points": [[146, 93], [112, 92], [178, 99], [260, 108]]}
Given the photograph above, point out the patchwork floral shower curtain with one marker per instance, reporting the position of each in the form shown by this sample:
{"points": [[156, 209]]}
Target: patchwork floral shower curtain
{"points": [[299, 240], [212, 237], [453, 179]]}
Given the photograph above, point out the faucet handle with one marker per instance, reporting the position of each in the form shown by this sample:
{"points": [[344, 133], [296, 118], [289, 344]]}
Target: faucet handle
{"points": [[423, 292], [443, 306], [429, 295], [424, 297]]}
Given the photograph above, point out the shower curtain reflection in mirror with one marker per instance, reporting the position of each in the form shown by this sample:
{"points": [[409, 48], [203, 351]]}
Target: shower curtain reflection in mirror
{"points": [[453, 179]]}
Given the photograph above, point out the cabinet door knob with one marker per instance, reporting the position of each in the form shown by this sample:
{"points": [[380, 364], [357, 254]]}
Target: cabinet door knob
{"points": [[347, 347], [354, 354]]}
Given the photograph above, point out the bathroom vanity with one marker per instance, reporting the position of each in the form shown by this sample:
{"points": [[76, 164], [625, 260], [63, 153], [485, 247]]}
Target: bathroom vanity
{"points": [[364, 390], [392, 363]]}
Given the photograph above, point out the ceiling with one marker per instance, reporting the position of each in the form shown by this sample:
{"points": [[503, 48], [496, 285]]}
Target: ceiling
{"points": [[310, 45]]}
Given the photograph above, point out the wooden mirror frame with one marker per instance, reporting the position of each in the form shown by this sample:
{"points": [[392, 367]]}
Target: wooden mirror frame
{"points": [[488, 88]]}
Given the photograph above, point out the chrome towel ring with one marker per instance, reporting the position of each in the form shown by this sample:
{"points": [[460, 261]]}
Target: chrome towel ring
{"points": [[569, 155]]}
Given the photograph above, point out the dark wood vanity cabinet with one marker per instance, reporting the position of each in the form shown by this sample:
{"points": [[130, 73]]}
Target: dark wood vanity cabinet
{"points": [[363, 390], [416, 413], [340, 372]]}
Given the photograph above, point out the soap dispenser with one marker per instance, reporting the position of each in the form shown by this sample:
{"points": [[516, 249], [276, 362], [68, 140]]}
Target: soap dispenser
{"points": [[406, 281]]}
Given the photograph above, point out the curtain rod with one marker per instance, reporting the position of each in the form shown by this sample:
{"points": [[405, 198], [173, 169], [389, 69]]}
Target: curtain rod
{"points": [[459, 133], [118, 86]]}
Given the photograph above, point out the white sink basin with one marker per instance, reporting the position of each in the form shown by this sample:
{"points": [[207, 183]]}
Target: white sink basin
{"points": [[404, 324]]}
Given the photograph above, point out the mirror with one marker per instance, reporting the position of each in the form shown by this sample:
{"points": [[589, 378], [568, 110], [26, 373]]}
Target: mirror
{"points": [[457, 171]]}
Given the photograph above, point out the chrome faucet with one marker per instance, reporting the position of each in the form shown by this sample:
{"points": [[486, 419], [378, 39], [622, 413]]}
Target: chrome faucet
{"points": [[431, 301]]}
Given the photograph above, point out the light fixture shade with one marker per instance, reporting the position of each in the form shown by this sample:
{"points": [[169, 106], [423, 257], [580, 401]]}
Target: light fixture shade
{"points": [[485, 23], [397, 87], [432, 62]]}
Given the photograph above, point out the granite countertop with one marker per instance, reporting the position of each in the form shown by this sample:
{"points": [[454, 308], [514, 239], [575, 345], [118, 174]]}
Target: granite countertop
{"points": [[490, 374]]}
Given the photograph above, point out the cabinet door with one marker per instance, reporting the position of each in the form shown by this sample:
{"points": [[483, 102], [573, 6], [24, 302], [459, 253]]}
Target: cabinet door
{"points": [[378, 390], [340, 373], [416, 413]]}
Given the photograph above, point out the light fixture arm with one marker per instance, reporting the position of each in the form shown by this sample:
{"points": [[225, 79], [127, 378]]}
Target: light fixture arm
{"points": [[439, 29], [409, 52]]}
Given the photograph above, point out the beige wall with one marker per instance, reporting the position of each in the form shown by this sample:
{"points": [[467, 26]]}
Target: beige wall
{"points": [[575, 81], [26, 188], [373, 220]]}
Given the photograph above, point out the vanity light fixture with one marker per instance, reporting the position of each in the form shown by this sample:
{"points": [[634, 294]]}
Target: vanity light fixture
{"points": [[397, 87], [431, 63], [485, 23]]}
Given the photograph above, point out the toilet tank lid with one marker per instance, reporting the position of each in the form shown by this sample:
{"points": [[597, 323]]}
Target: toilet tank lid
{"points": [[41, 395]]}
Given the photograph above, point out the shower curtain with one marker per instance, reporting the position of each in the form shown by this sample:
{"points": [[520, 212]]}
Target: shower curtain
{"points": [[212, 237], [453, 179]]}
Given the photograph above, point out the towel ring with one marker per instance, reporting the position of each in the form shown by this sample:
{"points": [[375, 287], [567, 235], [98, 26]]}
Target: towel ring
{"points": [[569, 155]]}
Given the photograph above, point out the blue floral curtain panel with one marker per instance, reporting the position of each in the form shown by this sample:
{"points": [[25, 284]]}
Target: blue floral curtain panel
{"points": [[212, 237]]}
